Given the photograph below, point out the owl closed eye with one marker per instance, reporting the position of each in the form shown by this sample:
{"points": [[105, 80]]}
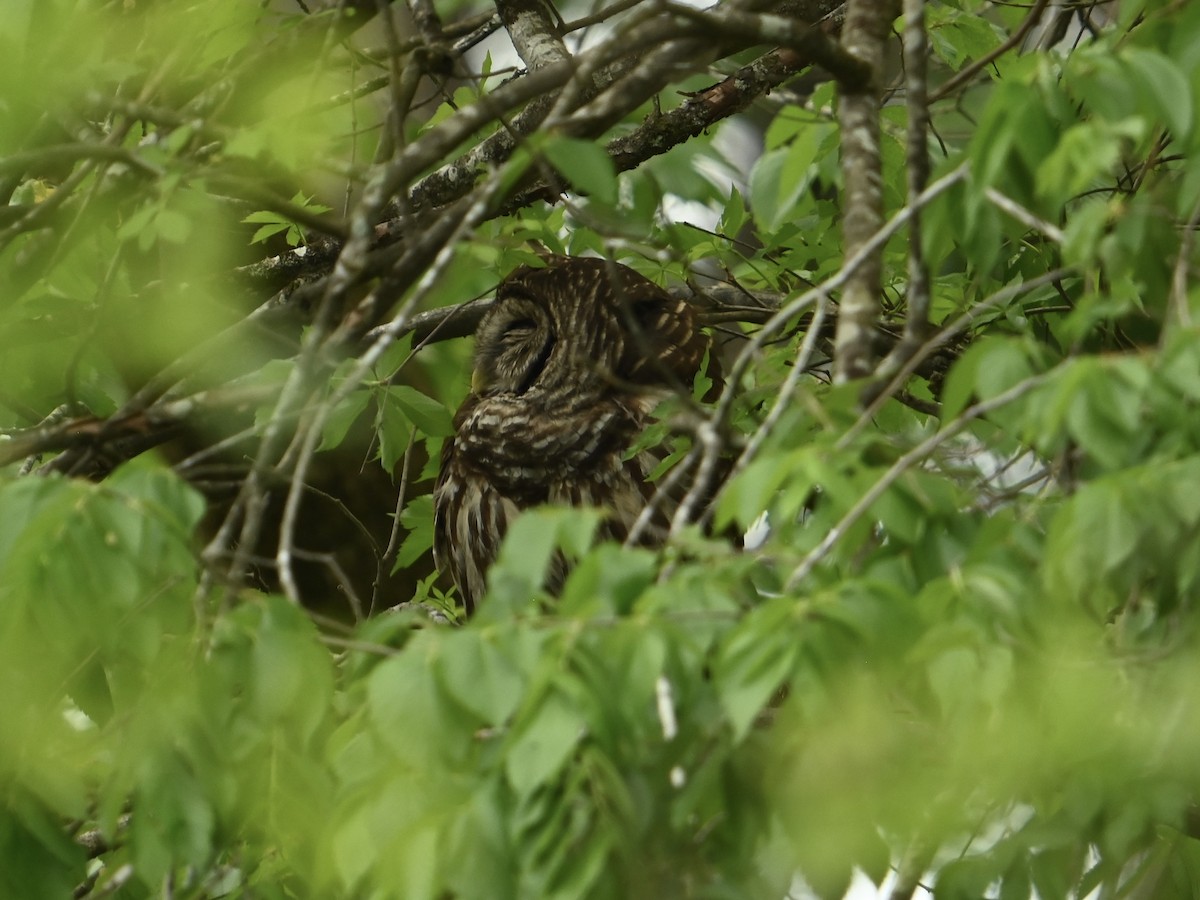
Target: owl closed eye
{"points": [[513, 349]]}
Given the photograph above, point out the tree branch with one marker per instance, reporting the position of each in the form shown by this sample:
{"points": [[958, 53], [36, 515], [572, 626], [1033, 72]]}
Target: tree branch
{"points": [[916, 320], [858, 114], [533, 34], [805, 37]]}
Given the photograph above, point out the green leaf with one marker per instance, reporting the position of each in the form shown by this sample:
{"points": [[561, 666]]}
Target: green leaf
{"points": [[342, 417], [956, 35], [1093, 535], [778, 180], [265, 215], [33, 866], [609, 577], [1085, 153], [586, 165], [475, 669], [1054, 871], [1085, 227], [750, 493], [402, 700], [532, 541], [733, 216], [964, 879], [753, 661], [542, 743], [1002, 365], [423, 411], [267, 231], [1162, 86], [174, 226], [417, 517], [959, 388], [302, 199], [292, 677], [394, 429]]}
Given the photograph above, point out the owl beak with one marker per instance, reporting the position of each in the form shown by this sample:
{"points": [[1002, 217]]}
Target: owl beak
{"points": [[477, 381]]}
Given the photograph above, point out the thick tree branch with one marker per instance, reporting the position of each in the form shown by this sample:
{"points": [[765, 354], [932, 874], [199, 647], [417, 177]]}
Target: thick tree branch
{"points": [[916, 322], [916, 58], [700, 111], [95, 446], [653, 137], [858, 114], [805, 37], [533, 34], [399, 264]]}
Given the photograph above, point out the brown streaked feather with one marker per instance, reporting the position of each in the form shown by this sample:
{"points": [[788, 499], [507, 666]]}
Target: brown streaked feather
{"points": [[568, 363]]}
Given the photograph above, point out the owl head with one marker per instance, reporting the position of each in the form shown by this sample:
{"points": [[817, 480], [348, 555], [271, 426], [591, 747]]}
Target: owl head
{"points": [[583, 323]]}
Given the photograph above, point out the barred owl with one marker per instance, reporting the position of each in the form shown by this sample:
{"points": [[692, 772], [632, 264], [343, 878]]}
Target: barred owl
{"points": [[569, 362]]}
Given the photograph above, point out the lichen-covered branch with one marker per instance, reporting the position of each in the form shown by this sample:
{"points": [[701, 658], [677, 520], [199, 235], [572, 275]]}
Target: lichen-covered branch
{"points": [[863, 37], [916, 322], [805, 37], [533, 34], [916, 58]]}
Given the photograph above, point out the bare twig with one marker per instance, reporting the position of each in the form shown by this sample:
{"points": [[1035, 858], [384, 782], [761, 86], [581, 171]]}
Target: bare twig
{"points": [[383, 569], [307, 441], [902, 465], [1025, 216], [783, 397], [825, 289], [943, 337], [1180, 304], [454, 180], [916, 320]]}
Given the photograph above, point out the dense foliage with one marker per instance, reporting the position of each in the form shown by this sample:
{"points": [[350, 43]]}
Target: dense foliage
{"points": [[964, 652]]}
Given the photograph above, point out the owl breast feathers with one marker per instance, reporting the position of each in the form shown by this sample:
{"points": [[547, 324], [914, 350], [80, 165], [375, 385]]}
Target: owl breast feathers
{"points": [[569, 362]]}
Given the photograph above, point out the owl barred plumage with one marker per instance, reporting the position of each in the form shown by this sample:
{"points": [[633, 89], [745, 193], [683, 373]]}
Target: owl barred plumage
{"points": [[569, 362]]}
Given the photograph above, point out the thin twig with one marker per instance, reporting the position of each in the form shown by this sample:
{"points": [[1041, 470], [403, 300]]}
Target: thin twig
{"points": [[825, 289], [1014, 40], [1025, 216], [1180, 304], [783, 397], [902, 465], [940, 339], [472, 216], [383, 568]]}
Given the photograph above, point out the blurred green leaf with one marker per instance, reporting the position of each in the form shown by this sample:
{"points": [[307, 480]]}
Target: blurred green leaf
{"points": [[1163, 86], [585, 165], [778, 179], [476, 670], [753, 662], [542, 743]]}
